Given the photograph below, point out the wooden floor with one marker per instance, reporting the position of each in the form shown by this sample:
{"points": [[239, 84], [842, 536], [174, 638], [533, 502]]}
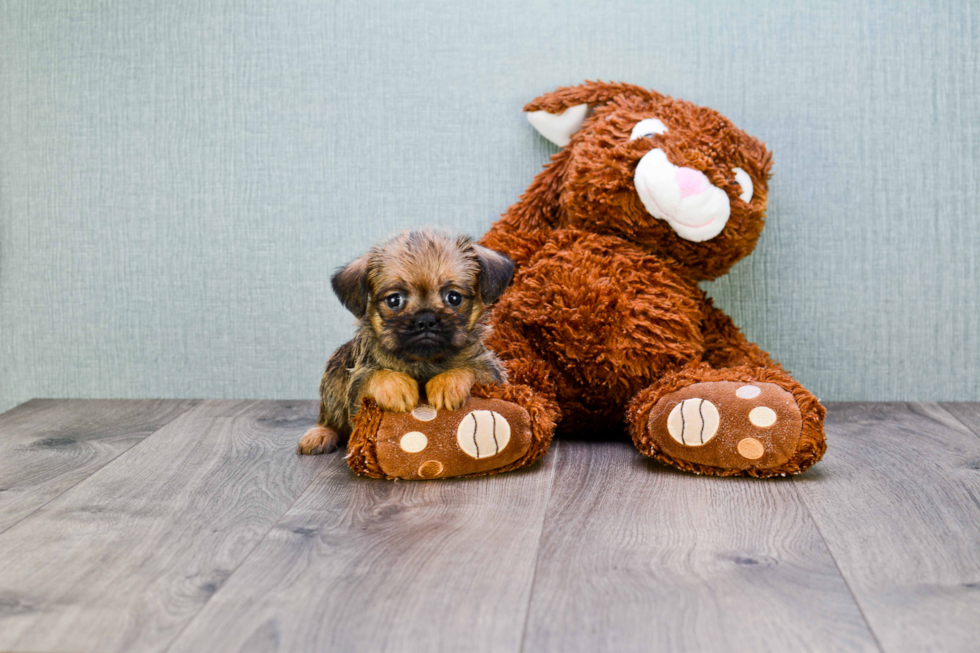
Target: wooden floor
{"points": [[192, 526]]}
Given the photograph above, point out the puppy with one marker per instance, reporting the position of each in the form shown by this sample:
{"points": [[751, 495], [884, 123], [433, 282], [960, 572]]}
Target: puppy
{"points": [[421, 301]]}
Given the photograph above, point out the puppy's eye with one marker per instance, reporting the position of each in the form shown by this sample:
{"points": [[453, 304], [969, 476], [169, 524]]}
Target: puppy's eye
{"points": [[648, 127], [453, 298], [393, 301], [744, 182]]}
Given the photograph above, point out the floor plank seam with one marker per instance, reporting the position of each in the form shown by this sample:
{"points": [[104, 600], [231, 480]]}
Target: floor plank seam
{"points": [[250, 552], [830, 552], [969, 428], [99, 468], [537, 554]]}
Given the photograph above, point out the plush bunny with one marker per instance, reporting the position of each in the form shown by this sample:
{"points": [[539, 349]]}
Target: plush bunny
{"points": [[604, 324]]}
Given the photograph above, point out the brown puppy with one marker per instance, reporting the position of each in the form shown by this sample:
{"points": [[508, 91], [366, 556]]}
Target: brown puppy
{"points": [[421, 300]]}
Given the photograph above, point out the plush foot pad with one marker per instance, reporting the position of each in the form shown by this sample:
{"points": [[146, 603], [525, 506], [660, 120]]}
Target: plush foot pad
{"points": [[728, 425], [483, 436]]}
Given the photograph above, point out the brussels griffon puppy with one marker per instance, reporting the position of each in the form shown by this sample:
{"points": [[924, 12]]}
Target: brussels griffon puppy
{"points": [[421, 301]]}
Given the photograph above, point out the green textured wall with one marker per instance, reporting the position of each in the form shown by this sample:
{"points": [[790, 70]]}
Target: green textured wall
{"points": [[177, 179]]}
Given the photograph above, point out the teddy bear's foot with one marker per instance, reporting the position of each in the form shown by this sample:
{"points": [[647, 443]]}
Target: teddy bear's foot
{"points": [[499, 431], [727, 428]]}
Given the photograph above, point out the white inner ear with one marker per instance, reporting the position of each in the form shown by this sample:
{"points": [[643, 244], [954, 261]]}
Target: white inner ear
{"points": [[648, 127], [559, 127], [743, 179]]}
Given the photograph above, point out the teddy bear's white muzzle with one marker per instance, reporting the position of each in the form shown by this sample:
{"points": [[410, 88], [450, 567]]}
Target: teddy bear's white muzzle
{"points": [[682, 197]]}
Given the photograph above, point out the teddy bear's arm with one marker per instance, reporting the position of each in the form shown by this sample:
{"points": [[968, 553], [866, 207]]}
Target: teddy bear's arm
{"points": [[724, 344]]}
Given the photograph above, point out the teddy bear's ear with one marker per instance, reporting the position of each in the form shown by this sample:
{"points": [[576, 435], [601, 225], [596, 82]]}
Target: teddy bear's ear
{"points": [[559, 114], [559, 127]]}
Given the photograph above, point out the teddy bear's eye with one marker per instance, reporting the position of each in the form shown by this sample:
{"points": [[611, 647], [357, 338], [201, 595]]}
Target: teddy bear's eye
{"points": [[744, 181], [648, 127]]}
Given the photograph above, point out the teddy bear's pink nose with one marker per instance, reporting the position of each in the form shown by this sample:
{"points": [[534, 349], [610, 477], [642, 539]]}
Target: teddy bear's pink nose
{"points": [[691, 181]]}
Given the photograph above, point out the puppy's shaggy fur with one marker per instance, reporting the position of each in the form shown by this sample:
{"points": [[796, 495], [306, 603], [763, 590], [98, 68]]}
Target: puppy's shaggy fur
{"points": [[421, 300]]}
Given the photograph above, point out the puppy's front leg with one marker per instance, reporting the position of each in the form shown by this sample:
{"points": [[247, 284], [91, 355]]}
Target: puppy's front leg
{"points": [[451, 389], [394, 391]]}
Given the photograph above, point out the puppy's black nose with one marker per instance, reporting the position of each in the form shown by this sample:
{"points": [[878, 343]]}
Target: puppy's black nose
{"points": [[426, 321]]}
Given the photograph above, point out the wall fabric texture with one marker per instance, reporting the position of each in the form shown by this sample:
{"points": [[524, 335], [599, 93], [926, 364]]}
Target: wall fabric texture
{"points": [[178, 179]]}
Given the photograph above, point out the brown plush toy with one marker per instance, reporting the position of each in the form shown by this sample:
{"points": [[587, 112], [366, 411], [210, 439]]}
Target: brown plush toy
{"points": [[605, 323]]}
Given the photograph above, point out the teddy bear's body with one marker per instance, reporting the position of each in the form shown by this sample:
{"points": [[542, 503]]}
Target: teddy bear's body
{"points": [[605, 317], [606, 320]]}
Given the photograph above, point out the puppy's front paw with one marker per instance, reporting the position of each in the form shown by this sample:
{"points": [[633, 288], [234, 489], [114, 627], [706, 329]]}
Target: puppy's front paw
{"points": [[317, 440], [394, 391], [449, 390]]}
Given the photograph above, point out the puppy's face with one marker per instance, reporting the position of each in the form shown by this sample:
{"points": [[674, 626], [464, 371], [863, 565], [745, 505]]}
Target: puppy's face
{"points": [[424, 293]]}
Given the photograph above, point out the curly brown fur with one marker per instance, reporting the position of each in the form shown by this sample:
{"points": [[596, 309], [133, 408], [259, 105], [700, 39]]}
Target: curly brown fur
{"points": [[422, 301], [600, 338], [589, 184], [605, 303]]}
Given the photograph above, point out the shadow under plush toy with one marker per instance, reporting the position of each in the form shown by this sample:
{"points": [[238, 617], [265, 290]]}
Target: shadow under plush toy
{"points": [[604, 323]]}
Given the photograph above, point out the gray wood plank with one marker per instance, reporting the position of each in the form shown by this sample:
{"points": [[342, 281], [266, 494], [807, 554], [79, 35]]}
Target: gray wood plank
{"points": [[897, 499], [639, 557], [362, 565], [127, 557], [47, 446]]}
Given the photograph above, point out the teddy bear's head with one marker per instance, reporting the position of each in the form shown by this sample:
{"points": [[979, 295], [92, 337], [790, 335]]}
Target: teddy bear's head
{"points": [[672, 177]]}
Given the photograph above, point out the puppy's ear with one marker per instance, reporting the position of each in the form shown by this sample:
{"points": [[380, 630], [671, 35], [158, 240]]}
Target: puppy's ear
{"points": [[350, 284], [496, 270]]}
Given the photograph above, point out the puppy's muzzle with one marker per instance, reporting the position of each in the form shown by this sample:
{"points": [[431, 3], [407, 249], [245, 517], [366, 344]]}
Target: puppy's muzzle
{"points": [[426, 335], [425, 321]]}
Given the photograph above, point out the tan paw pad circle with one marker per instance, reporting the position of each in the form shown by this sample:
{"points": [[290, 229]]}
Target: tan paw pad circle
{"points": [[762, 416], [483, 433], [430, 469], [748, 392], [693, 422], [751, 448], [413, 442], [424, 413]]}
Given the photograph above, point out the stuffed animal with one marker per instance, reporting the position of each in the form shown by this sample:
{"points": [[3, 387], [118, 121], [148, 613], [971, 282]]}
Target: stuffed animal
{"points": [[605, 324]]}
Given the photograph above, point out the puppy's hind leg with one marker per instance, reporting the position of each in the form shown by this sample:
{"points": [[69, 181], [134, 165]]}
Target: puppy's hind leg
{"points": [[326, 435], [331, 426], [319, 439]]}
